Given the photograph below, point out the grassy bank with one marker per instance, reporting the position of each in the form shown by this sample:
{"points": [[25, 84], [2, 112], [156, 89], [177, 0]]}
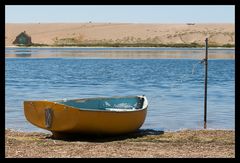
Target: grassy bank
{"points": [[192, 45], [144, 143]]}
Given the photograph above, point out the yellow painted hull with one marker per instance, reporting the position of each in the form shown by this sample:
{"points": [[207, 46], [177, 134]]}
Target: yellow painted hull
{"points": [[67, 119]]}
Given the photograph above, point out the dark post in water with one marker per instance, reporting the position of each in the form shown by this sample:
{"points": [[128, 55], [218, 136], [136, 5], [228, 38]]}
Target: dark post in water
{"points": [[205, 92]]}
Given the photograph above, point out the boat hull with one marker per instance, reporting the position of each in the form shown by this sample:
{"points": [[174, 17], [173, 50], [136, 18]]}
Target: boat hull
{"points": [[67, 119]]}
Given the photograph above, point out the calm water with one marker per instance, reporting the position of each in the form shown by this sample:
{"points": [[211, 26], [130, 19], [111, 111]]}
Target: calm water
{"points": [[174, 87]]}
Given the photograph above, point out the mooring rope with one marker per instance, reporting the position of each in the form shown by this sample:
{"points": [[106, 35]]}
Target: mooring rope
{"points": [[183, 77]]}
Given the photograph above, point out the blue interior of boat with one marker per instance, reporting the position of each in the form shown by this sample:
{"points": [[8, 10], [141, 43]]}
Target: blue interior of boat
{"points": [[106, 103]]}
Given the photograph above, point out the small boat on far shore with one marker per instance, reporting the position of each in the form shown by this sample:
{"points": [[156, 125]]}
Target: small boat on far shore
{"points": [[103, 115]]}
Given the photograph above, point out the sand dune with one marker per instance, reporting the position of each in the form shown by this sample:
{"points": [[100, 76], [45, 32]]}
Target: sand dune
{"points": [[75, 33]]}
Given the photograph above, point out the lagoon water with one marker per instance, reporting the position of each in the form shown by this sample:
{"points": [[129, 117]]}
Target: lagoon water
{"points": [[173, 87]]}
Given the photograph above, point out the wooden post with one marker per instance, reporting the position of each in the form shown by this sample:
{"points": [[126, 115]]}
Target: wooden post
{"points": [[205, 90]]}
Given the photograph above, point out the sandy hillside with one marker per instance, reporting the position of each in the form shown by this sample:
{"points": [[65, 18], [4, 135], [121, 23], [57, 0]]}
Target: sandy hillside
{"points": [[60, 33]]}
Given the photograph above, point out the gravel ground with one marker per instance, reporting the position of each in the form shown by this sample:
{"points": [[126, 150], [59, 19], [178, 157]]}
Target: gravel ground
{"points": [[142, 144]]}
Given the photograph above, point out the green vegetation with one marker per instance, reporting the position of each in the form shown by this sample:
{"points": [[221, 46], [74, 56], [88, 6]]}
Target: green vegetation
{"points": [[228, 46], [68, 42], [37, 44]]}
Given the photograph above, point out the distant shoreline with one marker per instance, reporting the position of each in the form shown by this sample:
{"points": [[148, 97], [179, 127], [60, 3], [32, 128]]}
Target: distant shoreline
{"points": [[122, 34], [76, 47]]}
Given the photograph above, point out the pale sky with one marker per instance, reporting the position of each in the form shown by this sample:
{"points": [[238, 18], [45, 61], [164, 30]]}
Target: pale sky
{"points": [[120, 13]]}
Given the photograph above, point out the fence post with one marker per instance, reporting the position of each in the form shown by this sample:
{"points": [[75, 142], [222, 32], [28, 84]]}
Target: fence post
{"points": [[205, 83]]}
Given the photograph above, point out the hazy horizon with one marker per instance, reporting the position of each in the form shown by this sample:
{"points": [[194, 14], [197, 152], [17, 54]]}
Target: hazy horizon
{"points": [[142, 14]]}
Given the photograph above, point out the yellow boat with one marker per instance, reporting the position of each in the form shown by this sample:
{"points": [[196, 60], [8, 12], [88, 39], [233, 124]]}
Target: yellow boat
{"points": [[103, 115]]}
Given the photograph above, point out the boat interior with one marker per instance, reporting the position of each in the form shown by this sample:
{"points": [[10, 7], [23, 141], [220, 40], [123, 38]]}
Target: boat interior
{"points": [[111, 104]]}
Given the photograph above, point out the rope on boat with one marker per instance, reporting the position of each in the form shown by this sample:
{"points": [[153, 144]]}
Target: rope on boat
{"points": [[48, 117]]}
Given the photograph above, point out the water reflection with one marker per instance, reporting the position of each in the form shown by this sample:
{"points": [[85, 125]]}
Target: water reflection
{"points": [[23, 52], [24, 55], [124, 53]]}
